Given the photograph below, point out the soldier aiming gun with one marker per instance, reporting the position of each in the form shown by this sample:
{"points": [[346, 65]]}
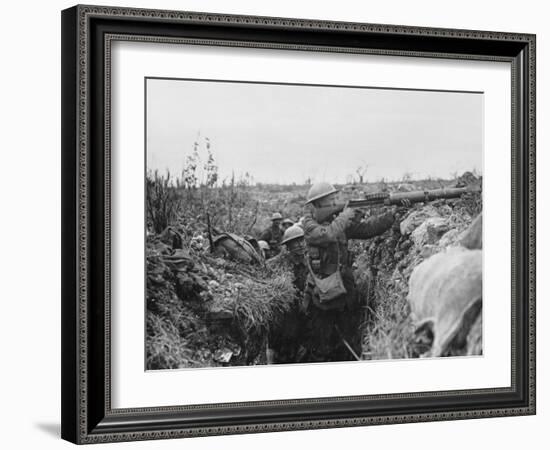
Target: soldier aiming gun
{"points": [[331, 298], [334, 205]]}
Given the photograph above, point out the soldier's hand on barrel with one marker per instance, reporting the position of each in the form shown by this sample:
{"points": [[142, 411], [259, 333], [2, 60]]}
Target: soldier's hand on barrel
{"points": [[359, 213], [402, 208], [348, 212], [399, 213]]}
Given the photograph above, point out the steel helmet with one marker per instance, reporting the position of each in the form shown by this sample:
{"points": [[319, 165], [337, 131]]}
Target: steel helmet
{"points": [[320, 190], [263, 245], [288, 221], [293, 232], [276, 216]]}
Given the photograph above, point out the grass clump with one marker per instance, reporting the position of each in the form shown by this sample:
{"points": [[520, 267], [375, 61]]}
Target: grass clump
{"points": [[389, 330]]}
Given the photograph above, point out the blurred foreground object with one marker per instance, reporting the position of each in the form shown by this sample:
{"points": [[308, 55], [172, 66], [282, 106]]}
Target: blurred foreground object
{"points": [[445, 295]]}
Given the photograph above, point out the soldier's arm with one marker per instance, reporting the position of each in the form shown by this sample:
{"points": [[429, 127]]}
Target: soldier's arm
{"points": [[373, 226], [316, 234]]}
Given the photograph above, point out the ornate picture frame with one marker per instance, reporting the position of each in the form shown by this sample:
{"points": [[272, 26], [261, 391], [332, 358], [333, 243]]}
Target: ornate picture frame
{"points": [[88, 33]]}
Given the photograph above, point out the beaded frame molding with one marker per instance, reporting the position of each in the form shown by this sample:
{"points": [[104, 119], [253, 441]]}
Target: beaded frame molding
{"points": [[87, 34]]}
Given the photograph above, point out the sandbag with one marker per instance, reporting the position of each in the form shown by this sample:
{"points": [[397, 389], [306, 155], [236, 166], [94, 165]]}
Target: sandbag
{"points": [[445, 295]]}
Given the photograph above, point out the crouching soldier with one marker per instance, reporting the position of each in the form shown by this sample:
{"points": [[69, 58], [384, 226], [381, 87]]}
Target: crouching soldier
{"points": [[273, 235], [331, 300], [286, 224], [286, 341]]}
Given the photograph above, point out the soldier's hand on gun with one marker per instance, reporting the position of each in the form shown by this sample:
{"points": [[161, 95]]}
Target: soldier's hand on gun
{"points": [[356, 213], [359, 213], [402, 209]]}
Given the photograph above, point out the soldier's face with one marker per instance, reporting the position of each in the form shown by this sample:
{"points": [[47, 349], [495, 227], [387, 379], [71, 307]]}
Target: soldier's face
{"points": [[329, 200], [276, 224], [296, 246]]}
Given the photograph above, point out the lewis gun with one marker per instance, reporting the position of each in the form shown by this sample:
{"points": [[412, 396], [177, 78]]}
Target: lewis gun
{"points": [[394, 198]]}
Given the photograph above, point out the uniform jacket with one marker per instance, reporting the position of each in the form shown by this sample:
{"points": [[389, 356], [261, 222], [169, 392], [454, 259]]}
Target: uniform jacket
{"points": [[327, 246]]}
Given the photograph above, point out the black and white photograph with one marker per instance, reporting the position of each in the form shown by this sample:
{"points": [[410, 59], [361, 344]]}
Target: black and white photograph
{"points": [[274, 222], [298, 224]]}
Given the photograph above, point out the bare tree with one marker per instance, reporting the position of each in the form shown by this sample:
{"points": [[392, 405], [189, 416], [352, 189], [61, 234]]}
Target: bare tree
{"points": [[361, 171]]}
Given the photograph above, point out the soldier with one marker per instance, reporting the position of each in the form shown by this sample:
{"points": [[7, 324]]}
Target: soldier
{"points": [[293, 257], [331, 299], [286, 341], [287, 223], [273, 235]]}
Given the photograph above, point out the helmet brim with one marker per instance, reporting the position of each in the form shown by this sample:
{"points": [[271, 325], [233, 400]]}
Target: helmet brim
{"points": [[318, 197], [293, 238]]}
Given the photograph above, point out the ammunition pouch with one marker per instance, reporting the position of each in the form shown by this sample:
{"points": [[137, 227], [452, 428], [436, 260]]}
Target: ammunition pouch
{"points": [[330, 287]]}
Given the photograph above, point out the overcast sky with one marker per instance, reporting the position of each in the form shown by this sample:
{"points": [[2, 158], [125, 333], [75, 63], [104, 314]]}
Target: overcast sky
{"points": [[285, 134]]}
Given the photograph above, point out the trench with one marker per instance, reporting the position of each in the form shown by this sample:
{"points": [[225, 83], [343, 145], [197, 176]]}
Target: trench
{"points": [[206, 311]]}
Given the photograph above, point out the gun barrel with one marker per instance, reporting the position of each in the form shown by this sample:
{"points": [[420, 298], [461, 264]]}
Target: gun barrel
{"points": [[396, 198], [427, 196]]}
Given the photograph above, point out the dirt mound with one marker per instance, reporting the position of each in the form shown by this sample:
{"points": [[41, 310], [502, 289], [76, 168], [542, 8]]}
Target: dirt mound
{"points": [[207, 311], [384, 265]]}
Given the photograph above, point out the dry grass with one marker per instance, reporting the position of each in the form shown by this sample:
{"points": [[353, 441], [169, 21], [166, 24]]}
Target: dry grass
{"points": [[258, 306], [162, 201], [234, 311], [388, 330], [166, 348], [256, 298]]}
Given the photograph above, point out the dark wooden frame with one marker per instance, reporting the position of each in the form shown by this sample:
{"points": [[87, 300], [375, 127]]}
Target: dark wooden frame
{"points": [[87, 31]]}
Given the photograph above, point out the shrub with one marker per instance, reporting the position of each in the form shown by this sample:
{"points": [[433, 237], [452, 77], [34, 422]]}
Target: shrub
{"points": [[162, 201]]}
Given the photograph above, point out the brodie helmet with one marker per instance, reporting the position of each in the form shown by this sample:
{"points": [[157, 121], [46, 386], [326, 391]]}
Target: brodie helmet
{"points": [[276, 216], [293, 232], [320, 190], [263, 245]]}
